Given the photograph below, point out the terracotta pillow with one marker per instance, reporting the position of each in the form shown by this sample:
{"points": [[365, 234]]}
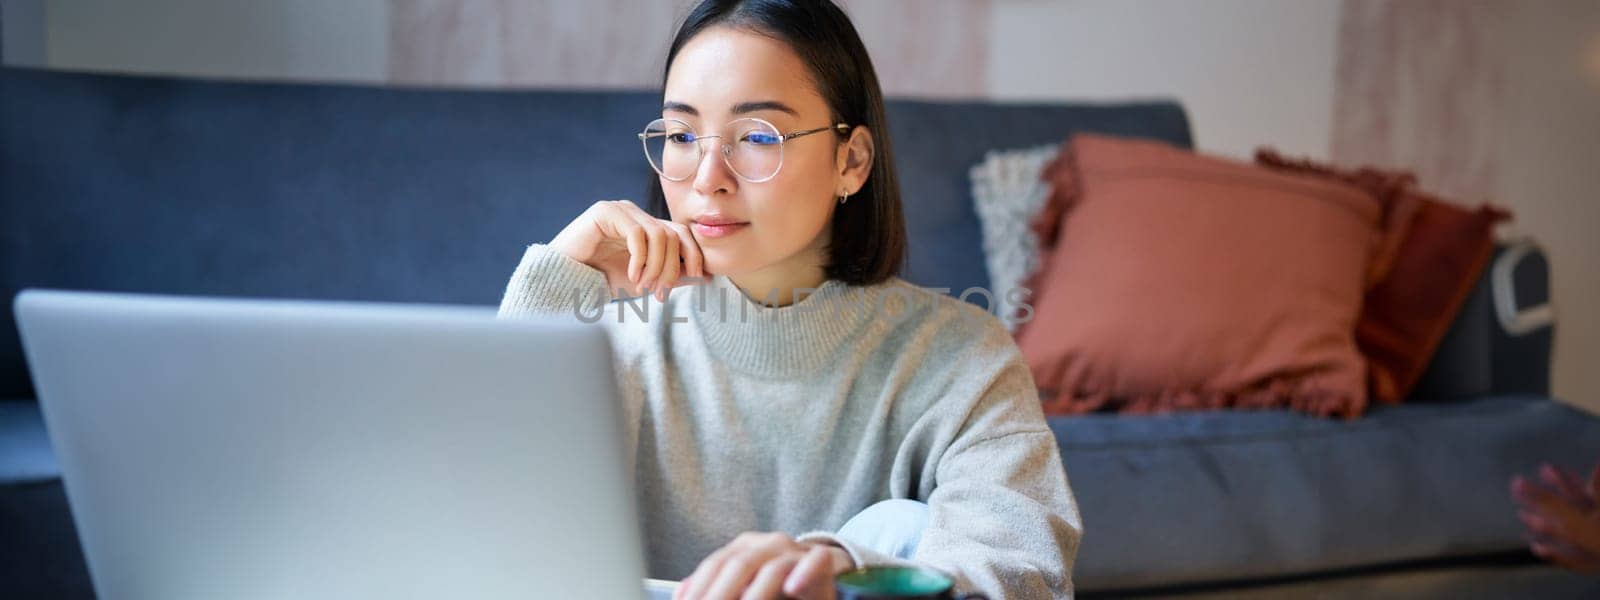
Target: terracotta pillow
{"points": [[1174, 281], [1439, 259]]}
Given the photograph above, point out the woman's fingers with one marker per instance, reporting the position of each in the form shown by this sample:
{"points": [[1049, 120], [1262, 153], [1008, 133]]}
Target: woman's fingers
{"points": [[682, 590], [656, 258], [671, 268], [617, 223], [620, 220], [769, 578], [668, 251], [814, 571], [657, 253], [765, 565], [673, 254], [693, 261], [638, 251], [735, 574], [740, 561], [695, 585]]}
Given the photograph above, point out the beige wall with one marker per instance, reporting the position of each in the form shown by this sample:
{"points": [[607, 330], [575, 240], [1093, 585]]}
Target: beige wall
{"points": [[920, 47], [22, 29], [342, 40], [1486, 100], [1548, 136], [1249, 72]]}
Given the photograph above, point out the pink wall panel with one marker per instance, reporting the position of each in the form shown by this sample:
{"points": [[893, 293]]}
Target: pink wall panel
{"points": [[919, 47], [1419, 85]]}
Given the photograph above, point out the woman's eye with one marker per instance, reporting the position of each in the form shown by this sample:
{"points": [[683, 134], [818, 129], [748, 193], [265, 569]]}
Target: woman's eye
{"points": [[761, 139], [680, 138]]}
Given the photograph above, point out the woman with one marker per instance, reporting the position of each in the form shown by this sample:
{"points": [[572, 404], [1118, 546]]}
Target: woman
{"points": [[786, 381]]}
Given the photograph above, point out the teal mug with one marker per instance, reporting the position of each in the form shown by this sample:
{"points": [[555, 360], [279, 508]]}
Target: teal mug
{"points": [[896, 583]]}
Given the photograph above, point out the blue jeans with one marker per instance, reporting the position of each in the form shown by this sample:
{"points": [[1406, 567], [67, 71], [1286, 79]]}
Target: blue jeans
{"points": [[892, 527]]}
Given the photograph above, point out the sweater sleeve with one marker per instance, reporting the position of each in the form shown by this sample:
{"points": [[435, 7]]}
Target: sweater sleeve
{"points": [[1001, 518], [549, 282]]}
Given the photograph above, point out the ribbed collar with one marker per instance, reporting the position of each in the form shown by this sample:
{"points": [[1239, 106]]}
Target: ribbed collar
{"points": [[784, 341]]}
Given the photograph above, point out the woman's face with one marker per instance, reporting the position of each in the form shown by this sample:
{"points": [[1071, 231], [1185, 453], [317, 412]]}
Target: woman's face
{"points": [[724, 74]]}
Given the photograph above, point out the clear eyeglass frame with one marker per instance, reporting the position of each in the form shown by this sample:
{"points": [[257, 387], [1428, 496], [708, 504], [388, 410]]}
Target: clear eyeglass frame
{"points": [[659, 129]]}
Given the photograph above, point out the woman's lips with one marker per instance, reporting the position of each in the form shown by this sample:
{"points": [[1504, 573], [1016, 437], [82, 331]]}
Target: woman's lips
{"points": [[718, 230]]}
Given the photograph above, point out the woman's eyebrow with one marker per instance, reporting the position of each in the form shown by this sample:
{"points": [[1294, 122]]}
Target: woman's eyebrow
{"points": [[747, 107], [671, 106], [738, 109]]}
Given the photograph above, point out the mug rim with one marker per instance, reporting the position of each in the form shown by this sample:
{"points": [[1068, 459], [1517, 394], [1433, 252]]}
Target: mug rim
{"points": [[944, 588]]}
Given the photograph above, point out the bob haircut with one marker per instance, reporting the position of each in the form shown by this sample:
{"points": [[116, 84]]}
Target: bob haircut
{"points": [[868, 232]]}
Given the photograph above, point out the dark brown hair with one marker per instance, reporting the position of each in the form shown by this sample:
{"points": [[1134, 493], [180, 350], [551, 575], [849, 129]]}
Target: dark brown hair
{"points": [[868, 231]]}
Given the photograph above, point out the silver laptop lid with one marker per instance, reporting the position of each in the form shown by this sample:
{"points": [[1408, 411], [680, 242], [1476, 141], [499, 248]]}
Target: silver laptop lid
{"points": [[285, 449]]}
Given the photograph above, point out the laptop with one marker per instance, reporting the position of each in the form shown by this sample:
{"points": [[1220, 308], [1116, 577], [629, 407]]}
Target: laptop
{"points": [[215, 448]]}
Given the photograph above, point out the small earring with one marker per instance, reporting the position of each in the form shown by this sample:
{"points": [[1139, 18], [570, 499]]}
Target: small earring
{"points": [[843, 198]]}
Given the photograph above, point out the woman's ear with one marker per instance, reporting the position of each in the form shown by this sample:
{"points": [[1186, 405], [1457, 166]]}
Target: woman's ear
{"points": [[855, 160]]}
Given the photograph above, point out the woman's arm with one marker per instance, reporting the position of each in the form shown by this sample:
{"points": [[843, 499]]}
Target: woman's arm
{"points": [[548, 282], [1001, 517], [614, 247]]}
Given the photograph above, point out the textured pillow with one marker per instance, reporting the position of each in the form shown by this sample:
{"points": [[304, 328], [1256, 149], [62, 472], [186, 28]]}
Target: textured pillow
{"points": [[1438, 260], [1176, 281], [1007, 192]]}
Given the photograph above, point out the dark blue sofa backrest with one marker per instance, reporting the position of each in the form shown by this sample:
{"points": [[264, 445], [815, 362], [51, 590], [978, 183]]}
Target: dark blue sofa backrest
{"points": [[337, 192]]}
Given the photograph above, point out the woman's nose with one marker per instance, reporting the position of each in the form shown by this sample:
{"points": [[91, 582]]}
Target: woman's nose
{"points": [[713, 174]]}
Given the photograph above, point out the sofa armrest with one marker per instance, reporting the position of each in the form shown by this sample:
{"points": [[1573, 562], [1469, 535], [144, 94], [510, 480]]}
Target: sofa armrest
{"points": [[1519, 318], [1501, 340]]}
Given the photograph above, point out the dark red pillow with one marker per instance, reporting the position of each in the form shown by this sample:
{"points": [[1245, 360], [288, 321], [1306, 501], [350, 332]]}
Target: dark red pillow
{"points": [[1438, 260]]}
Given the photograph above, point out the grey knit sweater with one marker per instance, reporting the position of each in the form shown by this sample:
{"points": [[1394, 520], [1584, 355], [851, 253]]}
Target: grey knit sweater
{"points": [[749, 417]]}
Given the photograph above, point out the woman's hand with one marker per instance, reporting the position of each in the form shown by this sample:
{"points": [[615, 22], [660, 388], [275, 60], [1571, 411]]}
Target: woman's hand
{"points": [[636, 251], [766, 565], [1562, 515]]}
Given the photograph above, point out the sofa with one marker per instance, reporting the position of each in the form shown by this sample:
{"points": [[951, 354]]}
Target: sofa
{"points": [[183, 186]]}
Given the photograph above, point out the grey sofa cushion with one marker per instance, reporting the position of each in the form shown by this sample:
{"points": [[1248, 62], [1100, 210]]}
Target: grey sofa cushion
{"points": [[1508, 577], [1230, 495]]}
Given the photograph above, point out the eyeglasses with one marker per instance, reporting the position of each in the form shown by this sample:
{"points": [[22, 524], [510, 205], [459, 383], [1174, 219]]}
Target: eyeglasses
{"points": [[674, 150]]}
